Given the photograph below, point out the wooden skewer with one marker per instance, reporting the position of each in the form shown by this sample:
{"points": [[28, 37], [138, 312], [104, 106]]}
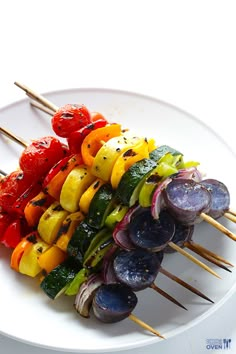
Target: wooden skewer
{"points": [[206, 256], [145, 325], [34, 95], [12, 136], [232, 212], [230, 217], [212, 254], [42, 108], [218, 226], [3, 173], [167, 296], [193, 259], [184, 284]]}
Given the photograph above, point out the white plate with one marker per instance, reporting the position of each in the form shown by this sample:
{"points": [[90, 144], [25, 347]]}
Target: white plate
{"points": [[29, 316]]}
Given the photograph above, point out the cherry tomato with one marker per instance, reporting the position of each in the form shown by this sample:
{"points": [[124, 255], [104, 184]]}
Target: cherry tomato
{"points": [[11, 187], [39, 157], [69, 118], [76, 138]]}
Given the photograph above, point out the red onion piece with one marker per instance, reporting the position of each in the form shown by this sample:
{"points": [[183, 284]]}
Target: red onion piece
{"points": [[190, 173], [120, 233], [84, 298], [157, 199]]}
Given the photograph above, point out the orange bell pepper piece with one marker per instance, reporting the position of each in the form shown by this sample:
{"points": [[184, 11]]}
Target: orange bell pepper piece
{"points": [[138, 152], [19, 250], [36, 207], [88, 195], [94, 140], [51, 258], [54, 186], [67, 229]]}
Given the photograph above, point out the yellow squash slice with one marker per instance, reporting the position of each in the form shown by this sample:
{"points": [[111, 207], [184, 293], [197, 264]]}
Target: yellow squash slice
{"points": [[109, 152], [51, 221], [78, 180]]}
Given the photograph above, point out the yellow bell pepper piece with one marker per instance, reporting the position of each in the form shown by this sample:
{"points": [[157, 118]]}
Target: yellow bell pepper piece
{"points": [[51, 258], [151, 145], [67, 229], [51, 221], [88, 195], [78, 180], [138, 152]]}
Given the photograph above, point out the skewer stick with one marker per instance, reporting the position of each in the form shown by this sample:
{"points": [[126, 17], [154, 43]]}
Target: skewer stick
{"points": [[212, 254], [35, 96], [230, 217], [144, 325], [206, 256], [193, 259], [12, 136], [2, 173], [167, 296], [184, 284], [218, 226], [232, 212], [42, 108]]}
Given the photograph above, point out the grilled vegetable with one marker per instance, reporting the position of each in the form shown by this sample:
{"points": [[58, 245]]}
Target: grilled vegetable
{"points": [[100, 206], [51, 221], [67, 229], [53, 185], [51, 258], [136, 152], [132, 181], [81, 240], [88, 195], [94, 141], [107, 155], [29, 264], [78, 180], [56, 282], [69, 118]]}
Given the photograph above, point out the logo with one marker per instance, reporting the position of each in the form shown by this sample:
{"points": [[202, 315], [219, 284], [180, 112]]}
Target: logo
{"points": [[217, 343]]}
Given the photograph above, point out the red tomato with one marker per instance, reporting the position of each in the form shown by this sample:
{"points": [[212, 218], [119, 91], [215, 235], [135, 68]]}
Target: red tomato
{"points": [[39, 157], [76, 138], [11, 187], [69, 118]]}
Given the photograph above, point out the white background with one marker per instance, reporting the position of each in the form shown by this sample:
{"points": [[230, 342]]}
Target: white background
{"points": [[182, 52]]}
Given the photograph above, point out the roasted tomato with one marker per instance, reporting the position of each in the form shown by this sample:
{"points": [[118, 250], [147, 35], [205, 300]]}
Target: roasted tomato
{"points": [[11, 187], [39, 157], [69, 118]]}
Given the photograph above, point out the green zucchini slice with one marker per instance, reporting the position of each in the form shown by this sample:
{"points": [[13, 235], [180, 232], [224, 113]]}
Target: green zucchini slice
{"points": [[56, 282], [161, 151], [101, 205], [131, 182], [80, 240]]}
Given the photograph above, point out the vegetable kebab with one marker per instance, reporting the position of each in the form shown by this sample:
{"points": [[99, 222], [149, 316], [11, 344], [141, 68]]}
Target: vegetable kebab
{"points": [[104, 211]]}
